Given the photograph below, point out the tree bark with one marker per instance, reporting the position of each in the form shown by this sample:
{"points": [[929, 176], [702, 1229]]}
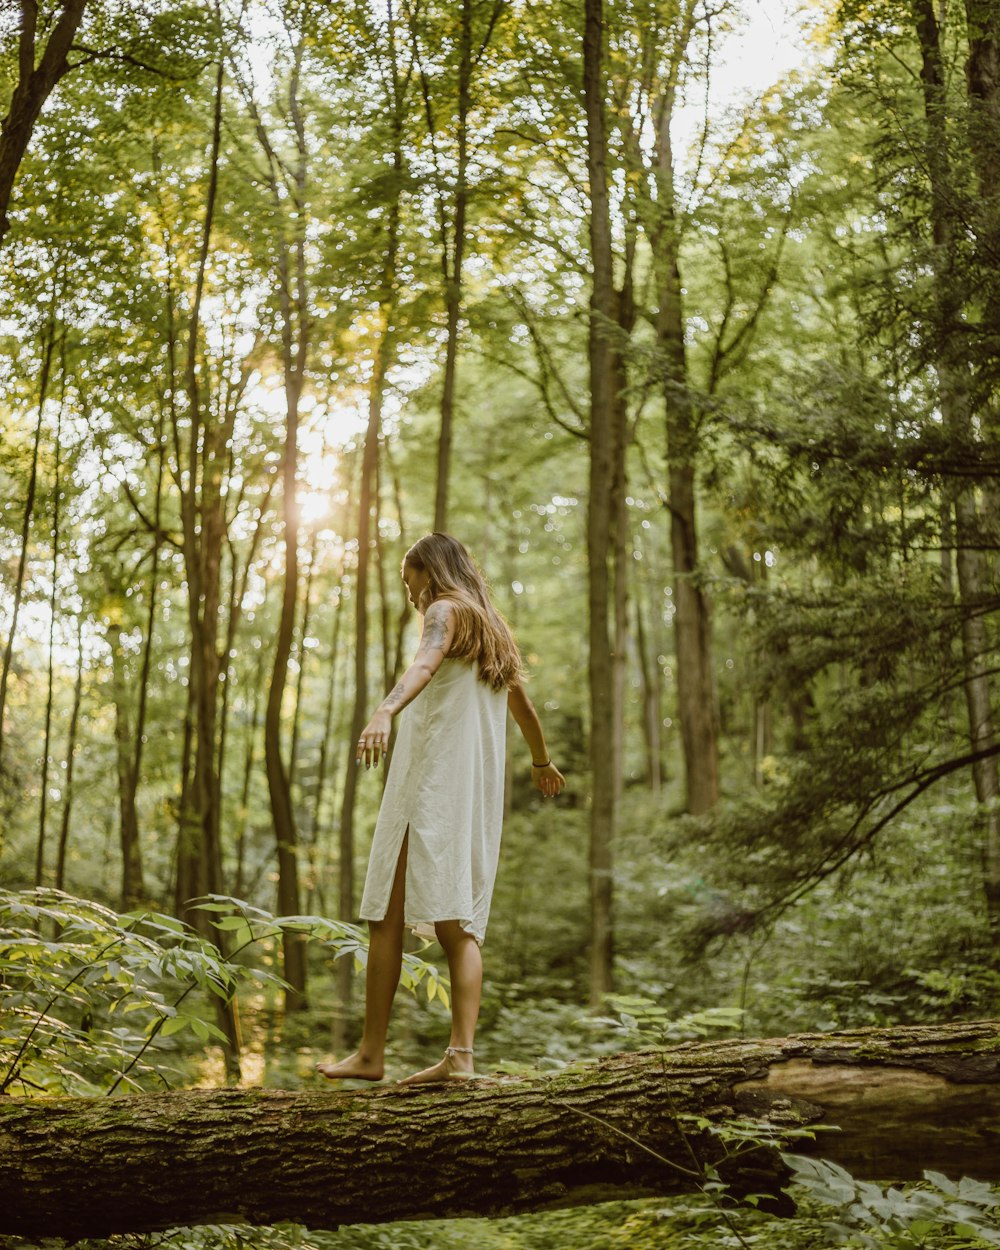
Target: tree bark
{"points": [[29, 510], [202, 509], [452, 257], [649, 687], [383, 358], [902, 1099], [599, 511], [293, 294], [74, 721], [203, 520], [696, 698], [34, 85], [43, 806], [955, 373], [133, 888]]}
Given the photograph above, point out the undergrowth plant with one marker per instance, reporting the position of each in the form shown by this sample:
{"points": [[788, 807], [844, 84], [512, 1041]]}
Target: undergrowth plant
{"points": [[90, 996]]}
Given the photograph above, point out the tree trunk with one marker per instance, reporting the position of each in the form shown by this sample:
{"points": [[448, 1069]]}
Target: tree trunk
{"points": [[692, 629], [302, 652], [649, 687], [29, 508], [452, 257], [203, 520], [902, 1100], [49, 693], [325, 774], [982, 76], [240, 882], [954, 377], [34, 85], [599, 511], [293, 294], [697, 704], [624, 304], [359, 715], [384, 349], [202, 504], [154, 580], [74, 722], [133, 889]]}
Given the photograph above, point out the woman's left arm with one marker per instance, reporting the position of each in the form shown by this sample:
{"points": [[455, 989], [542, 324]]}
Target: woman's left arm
{"points": [[544, 774], [435, 640]]}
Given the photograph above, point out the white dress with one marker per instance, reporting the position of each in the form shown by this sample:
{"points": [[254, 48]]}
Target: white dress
{"points": [[445, 784]]}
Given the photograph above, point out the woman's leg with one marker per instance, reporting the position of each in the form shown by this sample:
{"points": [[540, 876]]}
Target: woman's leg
{"points": [[385, 959], [465, 968]]}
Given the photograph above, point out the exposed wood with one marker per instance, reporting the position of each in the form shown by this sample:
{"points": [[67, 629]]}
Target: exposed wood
{"points": [[902, 1099]]}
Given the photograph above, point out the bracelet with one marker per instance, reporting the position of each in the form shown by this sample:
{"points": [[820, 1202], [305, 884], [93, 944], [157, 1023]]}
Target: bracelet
{"points": [[545, 765]]}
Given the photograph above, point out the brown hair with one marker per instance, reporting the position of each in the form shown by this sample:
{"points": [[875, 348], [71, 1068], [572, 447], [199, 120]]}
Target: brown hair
{"points": [[481, 633]]}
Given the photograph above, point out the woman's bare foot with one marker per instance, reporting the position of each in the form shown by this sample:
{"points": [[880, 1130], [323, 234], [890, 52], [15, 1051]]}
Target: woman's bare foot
{"points": [[354, 1068], [455, 1066]]}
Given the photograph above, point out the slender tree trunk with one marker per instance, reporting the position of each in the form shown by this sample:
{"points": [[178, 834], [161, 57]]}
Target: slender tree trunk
{"points": [[954, 380], [34, 85], [47, 738], [624, 305], [982, 75], [599, 511], [359, 715], [384, 351], [294, 297], [649, 670], [697, 703], [186, 856], [133, 889], [248, 762], [692, 627], [293, 755], [403, 616], [29, 508], [452, 260], [199, 858], [293, 946], [74, 722], [154, 578], [325, 773], [383, 588]]}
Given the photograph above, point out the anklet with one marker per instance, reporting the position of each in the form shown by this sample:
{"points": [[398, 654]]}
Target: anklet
{"points": [[459, 1050]]}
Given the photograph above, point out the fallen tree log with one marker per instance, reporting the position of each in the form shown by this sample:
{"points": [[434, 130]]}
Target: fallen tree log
{"points": [[902, 1099]]}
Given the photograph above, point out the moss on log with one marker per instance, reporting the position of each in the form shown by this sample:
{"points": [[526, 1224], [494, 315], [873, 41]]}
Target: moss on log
{"points": [[901, 1099]]}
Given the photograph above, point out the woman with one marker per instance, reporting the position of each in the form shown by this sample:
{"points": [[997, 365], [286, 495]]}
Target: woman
{"points": [[434, 853]]}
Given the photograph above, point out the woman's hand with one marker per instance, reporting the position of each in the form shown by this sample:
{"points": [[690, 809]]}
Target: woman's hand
{"points": [[374, 740], [548, 779]]}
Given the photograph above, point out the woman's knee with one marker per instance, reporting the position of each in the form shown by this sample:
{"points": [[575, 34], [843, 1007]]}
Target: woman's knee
{"points": [[389, 929], [451, 934]]}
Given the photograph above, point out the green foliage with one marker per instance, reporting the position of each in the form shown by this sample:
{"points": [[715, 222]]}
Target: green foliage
{"points": [[642, 1023], [942, 1213], [89, 992], [92, 999]]}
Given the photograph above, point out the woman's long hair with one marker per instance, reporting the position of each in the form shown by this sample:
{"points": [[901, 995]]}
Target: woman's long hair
{"points": [[481, 633]]}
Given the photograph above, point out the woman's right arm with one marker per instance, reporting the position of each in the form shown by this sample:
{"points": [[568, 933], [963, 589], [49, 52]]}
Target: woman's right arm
{"points": [[544, 774], [438, 631]]}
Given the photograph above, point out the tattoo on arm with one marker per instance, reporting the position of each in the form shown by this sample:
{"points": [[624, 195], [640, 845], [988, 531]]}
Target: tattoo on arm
{"points": [[435, 634], [395, 697]]}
